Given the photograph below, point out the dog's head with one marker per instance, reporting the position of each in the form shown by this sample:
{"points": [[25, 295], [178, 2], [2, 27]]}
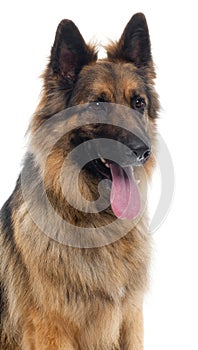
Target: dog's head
{"points": [[115, 98]]}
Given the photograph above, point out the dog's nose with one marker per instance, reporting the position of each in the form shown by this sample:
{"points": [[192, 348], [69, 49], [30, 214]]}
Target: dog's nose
{"points": [[141, 151], [142, 154]]}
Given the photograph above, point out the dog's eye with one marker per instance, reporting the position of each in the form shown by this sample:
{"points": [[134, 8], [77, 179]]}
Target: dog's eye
{"points": [[138, 103], [96, 106]]}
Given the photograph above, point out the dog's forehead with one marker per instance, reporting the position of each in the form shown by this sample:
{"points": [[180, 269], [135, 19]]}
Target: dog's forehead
{"points": [[111, 78], [114, 72]]}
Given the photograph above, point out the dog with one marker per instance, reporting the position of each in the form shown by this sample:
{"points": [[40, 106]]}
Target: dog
{"points": [[74, 244]]}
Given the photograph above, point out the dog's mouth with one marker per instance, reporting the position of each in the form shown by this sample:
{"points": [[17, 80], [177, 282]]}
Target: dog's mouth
{"points": [[124, 198]]}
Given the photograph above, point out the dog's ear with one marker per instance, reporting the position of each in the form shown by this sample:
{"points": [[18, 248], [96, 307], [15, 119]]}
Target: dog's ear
{"points": [[70, 52], [134, 44]]}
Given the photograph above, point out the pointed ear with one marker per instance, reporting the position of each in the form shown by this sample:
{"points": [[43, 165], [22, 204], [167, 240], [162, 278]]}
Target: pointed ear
{"points": [[134, 44], [70, 52]]}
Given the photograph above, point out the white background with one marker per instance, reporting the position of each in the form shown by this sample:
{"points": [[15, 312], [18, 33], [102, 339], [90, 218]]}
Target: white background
{"points": [[26, 34]]}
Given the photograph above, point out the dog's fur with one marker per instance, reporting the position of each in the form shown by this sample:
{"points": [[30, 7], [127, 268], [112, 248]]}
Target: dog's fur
{"points": [[55, 296]]}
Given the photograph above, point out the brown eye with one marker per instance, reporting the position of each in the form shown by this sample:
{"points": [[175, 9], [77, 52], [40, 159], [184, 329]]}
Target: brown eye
{"points": [[96, 106], [138, 103]]}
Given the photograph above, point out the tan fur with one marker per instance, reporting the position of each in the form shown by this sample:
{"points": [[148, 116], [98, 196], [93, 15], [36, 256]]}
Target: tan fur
{"points": [[55, 296]]}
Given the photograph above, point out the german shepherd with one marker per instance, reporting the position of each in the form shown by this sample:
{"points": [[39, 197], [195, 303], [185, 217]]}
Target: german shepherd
{"points": [[75, 262]]}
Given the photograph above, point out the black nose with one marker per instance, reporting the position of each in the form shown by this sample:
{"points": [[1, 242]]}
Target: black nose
{"points": [[141, 150], [142, 154]]}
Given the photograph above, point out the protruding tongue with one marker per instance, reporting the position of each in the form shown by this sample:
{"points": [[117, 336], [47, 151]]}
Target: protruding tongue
{"points": [[125, 197]]}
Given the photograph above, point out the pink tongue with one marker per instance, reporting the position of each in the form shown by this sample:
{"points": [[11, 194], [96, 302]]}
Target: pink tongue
{"points": [[125, 198]]}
